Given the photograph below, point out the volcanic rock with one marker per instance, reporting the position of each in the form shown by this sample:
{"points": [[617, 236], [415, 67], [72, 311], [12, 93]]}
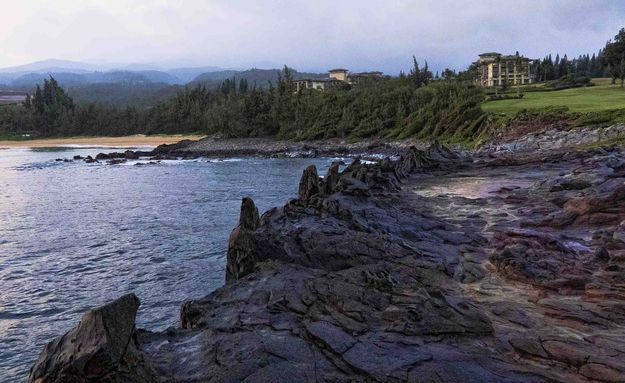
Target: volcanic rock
{"points": [[100, 348]]}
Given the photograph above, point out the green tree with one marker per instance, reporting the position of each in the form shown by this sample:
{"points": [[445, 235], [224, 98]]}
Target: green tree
{"points": [[614, 57]]}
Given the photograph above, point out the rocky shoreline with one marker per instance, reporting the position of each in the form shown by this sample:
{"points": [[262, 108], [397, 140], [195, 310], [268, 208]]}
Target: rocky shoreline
{"points": [[554, 139], [435, 267], [372, 150], [541, 139]]}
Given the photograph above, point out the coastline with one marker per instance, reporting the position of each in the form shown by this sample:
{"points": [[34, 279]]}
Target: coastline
{"points": [[123, 141], [191, 147], [419, 269]]}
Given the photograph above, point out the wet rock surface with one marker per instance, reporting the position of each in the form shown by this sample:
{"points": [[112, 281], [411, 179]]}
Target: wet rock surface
{"points": [[438, 267]]}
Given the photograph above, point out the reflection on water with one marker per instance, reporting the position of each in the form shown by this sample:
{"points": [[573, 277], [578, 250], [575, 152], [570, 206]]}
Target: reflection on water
{"points": [[76, 235]]}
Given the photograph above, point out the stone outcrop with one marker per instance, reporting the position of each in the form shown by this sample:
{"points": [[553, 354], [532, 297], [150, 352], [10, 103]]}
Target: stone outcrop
{"points": [[100, 349], [558, 138], [241, 245], [309, 183]]}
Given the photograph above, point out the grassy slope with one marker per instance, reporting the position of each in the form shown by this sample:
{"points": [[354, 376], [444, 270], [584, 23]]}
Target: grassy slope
{"points": [[601, 97]]}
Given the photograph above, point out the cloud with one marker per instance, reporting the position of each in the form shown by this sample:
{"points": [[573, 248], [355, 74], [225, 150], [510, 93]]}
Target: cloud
{"points": [[308, 35]]}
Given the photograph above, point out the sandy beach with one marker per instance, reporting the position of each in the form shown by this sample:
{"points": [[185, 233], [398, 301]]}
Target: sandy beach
{"points": [[135, 140]]}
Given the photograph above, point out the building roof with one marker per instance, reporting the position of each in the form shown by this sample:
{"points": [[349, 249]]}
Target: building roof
{"points": [[338, 70], [490, 54]]}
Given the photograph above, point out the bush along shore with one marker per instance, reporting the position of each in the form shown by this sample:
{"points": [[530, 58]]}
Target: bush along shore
{"points": [[435, 267]]}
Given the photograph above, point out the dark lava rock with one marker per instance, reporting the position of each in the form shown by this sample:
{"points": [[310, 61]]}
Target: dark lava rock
{"points": [[166, 149], [602, 255], [90, 160], [537, 257], [100, 349], [372, 276], [331, 178], [309, 183], [330, 286], [130, 155], [241, 245]]}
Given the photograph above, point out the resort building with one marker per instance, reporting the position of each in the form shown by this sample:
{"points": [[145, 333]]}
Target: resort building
{"points": [[318, 84], [360, 78], [494, 69], [338, 74], [336, 78]]}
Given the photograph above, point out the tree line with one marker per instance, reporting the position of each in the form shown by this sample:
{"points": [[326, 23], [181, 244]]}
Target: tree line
{"points": [[409, 105], [549, 69], [608, 62]]}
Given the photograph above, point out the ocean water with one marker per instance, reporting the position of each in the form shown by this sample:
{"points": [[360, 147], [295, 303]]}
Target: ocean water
{"points": [[76, 235]]}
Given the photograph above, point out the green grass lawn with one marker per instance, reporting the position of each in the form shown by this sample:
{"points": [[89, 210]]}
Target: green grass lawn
{"points": [[603, 96]]}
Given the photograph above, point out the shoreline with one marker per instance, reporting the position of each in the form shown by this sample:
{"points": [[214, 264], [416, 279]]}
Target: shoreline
{"points": [[546, 138], [389, 272], [122, 141]]}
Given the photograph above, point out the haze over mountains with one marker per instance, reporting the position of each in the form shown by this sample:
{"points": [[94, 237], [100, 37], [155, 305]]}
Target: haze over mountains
{"points": [[73, 73], [128, 84]]}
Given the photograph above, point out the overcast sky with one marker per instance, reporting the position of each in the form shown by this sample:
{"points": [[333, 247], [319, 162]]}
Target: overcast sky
{"points": [[306, 34]]}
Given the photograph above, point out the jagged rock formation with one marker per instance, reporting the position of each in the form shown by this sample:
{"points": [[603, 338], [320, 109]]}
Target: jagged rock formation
{"points": [[100, 349], [340, 289], [241, 245], [432, 268]]}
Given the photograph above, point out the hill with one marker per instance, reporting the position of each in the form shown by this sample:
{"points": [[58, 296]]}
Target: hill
{"points": [[261, 77], [72, 73], [138, 88], [188, 74], [30, 80], [141, 95], [54, 65]]}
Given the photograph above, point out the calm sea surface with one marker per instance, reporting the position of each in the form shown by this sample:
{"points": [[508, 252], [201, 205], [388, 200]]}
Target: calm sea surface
{"points": [[76, 235]]}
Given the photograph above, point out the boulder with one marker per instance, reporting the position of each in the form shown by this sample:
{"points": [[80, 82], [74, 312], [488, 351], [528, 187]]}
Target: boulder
{"points": [[101, 348]]}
